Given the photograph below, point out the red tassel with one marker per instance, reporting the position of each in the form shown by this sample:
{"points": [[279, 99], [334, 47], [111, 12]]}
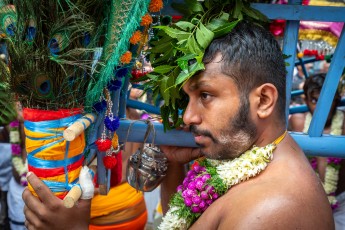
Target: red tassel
{"points": [[103, 145], [116, 172], [109, 162]]}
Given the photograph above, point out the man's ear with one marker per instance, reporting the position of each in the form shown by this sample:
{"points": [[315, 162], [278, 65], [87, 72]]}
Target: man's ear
{"points": [[266, 97]]}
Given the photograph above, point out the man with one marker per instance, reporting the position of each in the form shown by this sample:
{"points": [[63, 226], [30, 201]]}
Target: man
{"points": [[237, 102]]}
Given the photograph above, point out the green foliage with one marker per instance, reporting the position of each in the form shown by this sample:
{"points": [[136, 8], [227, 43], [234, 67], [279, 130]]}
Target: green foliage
{"points": [[7, 107], [178, 52], [183, 211]]}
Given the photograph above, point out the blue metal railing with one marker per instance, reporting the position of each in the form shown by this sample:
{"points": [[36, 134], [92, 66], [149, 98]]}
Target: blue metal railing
{"points": [[313, 143]]}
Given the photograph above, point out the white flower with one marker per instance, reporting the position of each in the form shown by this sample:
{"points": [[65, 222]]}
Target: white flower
{"points": [[171, 221]]}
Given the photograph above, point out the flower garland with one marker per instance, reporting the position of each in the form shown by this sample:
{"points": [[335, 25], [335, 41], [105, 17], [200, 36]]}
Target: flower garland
{"points": [[17, 160], [333, 164], [209, 180]]}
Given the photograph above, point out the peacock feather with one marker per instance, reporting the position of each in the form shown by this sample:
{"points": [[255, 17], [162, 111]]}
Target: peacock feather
{"points": [[124, 18], [51, 45], [63, 53]]}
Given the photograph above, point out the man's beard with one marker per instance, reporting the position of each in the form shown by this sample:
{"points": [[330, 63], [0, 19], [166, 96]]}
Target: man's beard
{"points": [[234, 139]]}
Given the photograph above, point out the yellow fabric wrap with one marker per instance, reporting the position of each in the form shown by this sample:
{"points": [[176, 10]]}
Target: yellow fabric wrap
{"points": [[123, 208], [55, 152], [119, 197]]}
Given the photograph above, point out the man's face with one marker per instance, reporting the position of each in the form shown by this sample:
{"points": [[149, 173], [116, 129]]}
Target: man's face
{"points": [[218, 118]]}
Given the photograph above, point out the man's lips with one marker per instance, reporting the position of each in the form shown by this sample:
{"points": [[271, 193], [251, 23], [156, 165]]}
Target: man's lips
{"points": [[199, 138]]}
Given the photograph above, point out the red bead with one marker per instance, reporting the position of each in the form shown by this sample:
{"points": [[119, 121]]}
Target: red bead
{"points": [[109, 162], [103, 145]]}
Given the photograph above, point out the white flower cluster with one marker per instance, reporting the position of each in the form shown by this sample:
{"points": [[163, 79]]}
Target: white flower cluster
{"points": [[337, 123], [172, 222], [248, 165], [14, 136], [331, 177]]}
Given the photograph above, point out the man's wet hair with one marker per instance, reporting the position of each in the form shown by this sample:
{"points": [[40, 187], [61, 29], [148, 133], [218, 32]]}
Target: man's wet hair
{"points": [[251, 57]]}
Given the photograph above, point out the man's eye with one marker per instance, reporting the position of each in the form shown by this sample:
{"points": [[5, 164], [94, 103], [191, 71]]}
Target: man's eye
{"points": [[205, 96]]}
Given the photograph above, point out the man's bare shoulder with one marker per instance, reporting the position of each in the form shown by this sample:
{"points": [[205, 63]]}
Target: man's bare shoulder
{"points": [[286, 195], [278, 211]]}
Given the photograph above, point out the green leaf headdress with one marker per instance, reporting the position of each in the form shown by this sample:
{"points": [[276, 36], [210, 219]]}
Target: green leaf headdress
{"points": [[177, 51]]}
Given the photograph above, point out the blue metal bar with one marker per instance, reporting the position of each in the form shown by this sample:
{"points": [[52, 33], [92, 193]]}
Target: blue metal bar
{"points": [[135, 130], [306, 60], [143, 106], [302, 64], [304, 13], [328, 91], [123, 98], [325, 145], [319, 146], [115, 98], [297, 92], [287, 12], [304, 108], [289, 49]]}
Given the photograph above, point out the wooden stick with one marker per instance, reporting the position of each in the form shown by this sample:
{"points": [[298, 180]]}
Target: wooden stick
{"points": [[78, 126], [72, 197], [75, 193]]}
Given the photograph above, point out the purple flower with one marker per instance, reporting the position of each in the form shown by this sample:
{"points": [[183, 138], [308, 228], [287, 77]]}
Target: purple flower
{"points": [[209, 201], [14, 124], [196, 209], [188, 202], [199, 184], [202, 205], [191, 185], [205, 177], [334, 160], [199, 169], [184, 193], [190, 174], [190, 193], [16, 149], [196, 199], [209, 189], [185, 182], [215, 196], [204, 195], [179, 188]]}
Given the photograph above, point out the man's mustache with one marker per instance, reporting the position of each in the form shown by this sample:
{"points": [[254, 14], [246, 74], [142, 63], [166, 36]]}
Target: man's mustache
{"points": [[198, 132]]}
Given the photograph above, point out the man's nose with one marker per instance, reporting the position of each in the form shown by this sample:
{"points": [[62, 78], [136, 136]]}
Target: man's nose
{"points": [[191, 115]]}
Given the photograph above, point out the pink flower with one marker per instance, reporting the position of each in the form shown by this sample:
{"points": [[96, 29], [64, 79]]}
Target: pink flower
{"points": [[14, 124], [16, 149]]}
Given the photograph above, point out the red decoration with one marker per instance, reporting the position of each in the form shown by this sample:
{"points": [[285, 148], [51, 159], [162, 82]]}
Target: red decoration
{"points": [[136, 74], [103, 145], [109, 162], [315, 53], [116, 172]]}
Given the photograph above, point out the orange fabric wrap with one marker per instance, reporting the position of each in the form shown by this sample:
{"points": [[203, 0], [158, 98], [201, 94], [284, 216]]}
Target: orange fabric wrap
{"points": [[122, 208], [36, 139]]}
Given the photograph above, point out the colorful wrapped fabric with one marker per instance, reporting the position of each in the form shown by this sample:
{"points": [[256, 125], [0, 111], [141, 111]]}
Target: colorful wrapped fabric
{"points": [[320, 36], [123, 208], [54, 160]]}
